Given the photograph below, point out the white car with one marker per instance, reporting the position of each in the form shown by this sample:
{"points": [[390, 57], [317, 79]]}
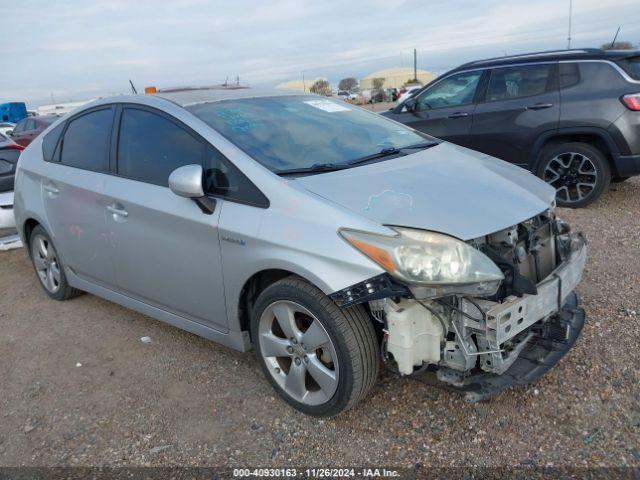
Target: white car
{"points": [[410, 91], [6, 127]]}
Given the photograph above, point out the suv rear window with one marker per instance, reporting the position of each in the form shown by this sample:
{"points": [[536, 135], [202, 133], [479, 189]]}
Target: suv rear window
{"points": [[631, 65]]}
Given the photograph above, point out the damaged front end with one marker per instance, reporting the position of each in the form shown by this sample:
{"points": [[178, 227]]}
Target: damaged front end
{"points": [[481, 337]]}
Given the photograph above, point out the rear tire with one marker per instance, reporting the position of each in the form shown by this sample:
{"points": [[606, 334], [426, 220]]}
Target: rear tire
{"points": [[48, 266], [579, 172], [320, 358]]}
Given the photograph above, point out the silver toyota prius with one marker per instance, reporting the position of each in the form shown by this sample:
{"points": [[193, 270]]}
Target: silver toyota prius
{"points": [[325, 237]]}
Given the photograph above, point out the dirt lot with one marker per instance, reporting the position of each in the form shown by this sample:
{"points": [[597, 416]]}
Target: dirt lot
{"points": [[182, 400]]}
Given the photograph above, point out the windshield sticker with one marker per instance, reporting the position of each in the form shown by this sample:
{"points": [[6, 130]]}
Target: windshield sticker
{"points": [[327, 106]]}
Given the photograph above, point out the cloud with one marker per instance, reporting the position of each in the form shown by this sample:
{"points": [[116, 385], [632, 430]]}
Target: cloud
{"points": [[75, 48]]}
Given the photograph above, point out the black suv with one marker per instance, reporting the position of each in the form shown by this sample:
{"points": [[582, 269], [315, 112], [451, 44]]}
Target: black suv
{"points": [[572, 117]]}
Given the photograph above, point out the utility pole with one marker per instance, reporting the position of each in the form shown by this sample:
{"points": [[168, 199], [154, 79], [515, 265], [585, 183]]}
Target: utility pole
{"points": [[304, 86], [415, 64], [569, 35]]}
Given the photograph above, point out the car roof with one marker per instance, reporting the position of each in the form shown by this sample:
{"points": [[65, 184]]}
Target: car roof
{"points": [[186, 97], [554, 55]]}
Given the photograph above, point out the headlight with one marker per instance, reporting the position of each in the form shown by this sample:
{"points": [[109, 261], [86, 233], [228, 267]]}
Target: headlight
{"points": [[429, 259]]}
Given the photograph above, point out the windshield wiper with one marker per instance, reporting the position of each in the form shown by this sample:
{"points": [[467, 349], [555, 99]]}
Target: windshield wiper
{"points": [[315, 168], [420, 145], [385, 152]]}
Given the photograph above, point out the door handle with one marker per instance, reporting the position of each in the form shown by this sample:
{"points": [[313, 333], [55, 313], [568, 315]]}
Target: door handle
{"points": [[539, 106], [51, 189], [459, 115], [117, 211]]}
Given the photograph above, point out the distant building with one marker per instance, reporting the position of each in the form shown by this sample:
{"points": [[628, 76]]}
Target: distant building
{"points": [[297, 85], [395, 77]]}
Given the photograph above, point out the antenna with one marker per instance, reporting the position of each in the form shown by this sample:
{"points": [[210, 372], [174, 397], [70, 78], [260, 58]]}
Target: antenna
{"points": [[569, 34], [615, 37], [133, 88]]}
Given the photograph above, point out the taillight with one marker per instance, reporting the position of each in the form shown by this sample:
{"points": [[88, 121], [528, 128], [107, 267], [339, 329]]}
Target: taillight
{"points": [[632, 101]]}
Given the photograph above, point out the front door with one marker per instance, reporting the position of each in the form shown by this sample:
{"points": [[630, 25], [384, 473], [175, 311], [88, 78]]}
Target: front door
{"points": [[521, 103], [167, 252], [445, 110]]}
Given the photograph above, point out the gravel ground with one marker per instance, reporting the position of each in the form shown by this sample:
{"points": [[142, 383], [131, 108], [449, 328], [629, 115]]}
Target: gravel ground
{"points": [[78, 387]]}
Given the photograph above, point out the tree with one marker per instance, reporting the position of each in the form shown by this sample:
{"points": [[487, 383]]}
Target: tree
{"points": [[617, 46], [377, 83], [321, 87], [413, 81], [347, 84]]}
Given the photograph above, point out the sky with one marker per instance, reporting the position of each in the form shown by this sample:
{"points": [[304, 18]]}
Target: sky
{"points": [[77, 49]]}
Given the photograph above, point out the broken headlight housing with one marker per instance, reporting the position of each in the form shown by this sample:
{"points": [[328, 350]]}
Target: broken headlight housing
{"points": [[429, 259]]}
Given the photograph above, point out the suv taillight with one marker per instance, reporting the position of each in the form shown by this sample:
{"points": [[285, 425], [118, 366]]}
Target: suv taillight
{"points": [[632, 101]]}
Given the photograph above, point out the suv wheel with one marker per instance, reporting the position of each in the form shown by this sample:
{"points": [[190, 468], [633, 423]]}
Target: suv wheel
{"points": [[320, 358], [48, 266], [578, 171]]}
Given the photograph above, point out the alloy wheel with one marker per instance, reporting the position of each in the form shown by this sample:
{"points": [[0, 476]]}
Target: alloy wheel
{"points": [[572, 174], [298, 352], [46, 263]]}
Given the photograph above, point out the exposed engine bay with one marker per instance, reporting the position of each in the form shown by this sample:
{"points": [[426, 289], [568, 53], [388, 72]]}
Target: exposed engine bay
{"points": [[467, 339]]}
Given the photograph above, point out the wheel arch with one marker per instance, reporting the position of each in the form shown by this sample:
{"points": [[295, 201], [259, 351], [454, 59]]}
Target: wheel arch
{"points": [[595, 137], [254, 286]]}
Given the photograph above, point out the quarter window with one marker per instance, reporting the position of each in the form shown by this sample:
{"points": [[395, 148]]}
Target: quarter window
{"points": [[454, 91], [86, 141], [151, 147], [50, 142], [517, 82]]}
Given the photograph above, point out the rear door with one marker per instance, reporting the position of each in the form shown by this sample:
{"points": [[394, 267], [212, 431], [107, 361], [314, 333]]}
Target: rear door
{"points": [[521, 103], [445, 110], [73, 193], [167, 252]]}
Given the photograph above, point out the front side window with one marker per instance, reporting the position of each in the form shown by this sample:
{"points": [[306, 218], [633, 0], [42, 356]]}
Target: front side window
{"points": [[223, 179], [291, 132], [517, 82], [454, 91], [86, 141], [152, 146]]}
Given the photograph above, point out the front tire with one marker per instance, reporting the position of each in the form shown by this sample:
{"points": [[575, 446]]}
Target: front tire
{"points": [[321, 359], [579, 172], [48, 266]]}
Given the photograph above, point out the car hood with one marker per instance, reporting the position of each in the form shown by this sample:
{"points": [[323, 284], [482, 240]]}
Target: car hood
{"points": [[447, 189]]}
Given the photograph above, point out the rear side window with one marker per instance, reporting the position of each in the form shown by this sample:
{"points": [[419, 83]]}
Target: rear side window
{"points": [[87, 140], [569, 75], [50, 142], [20, 126], [223, 179], [516, 82], [152, 146], [631, 66], [30, 125]]}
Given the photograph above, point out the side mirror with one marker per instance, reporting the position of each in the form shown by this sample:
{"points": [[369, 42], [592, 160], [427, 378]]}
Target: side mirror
{"points": [[187, 182], [410, 104], [9, 133]]}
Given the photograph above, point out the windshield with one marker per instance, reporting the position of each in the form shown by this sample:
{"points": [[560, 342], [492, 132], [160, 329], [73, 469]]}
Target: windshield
{"points": [[294, 132]]}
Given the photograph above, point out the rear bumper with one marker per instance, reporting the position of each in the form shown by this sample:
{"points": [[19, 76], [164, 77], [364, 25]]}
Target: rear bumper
{"points": [[627, 165]]}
